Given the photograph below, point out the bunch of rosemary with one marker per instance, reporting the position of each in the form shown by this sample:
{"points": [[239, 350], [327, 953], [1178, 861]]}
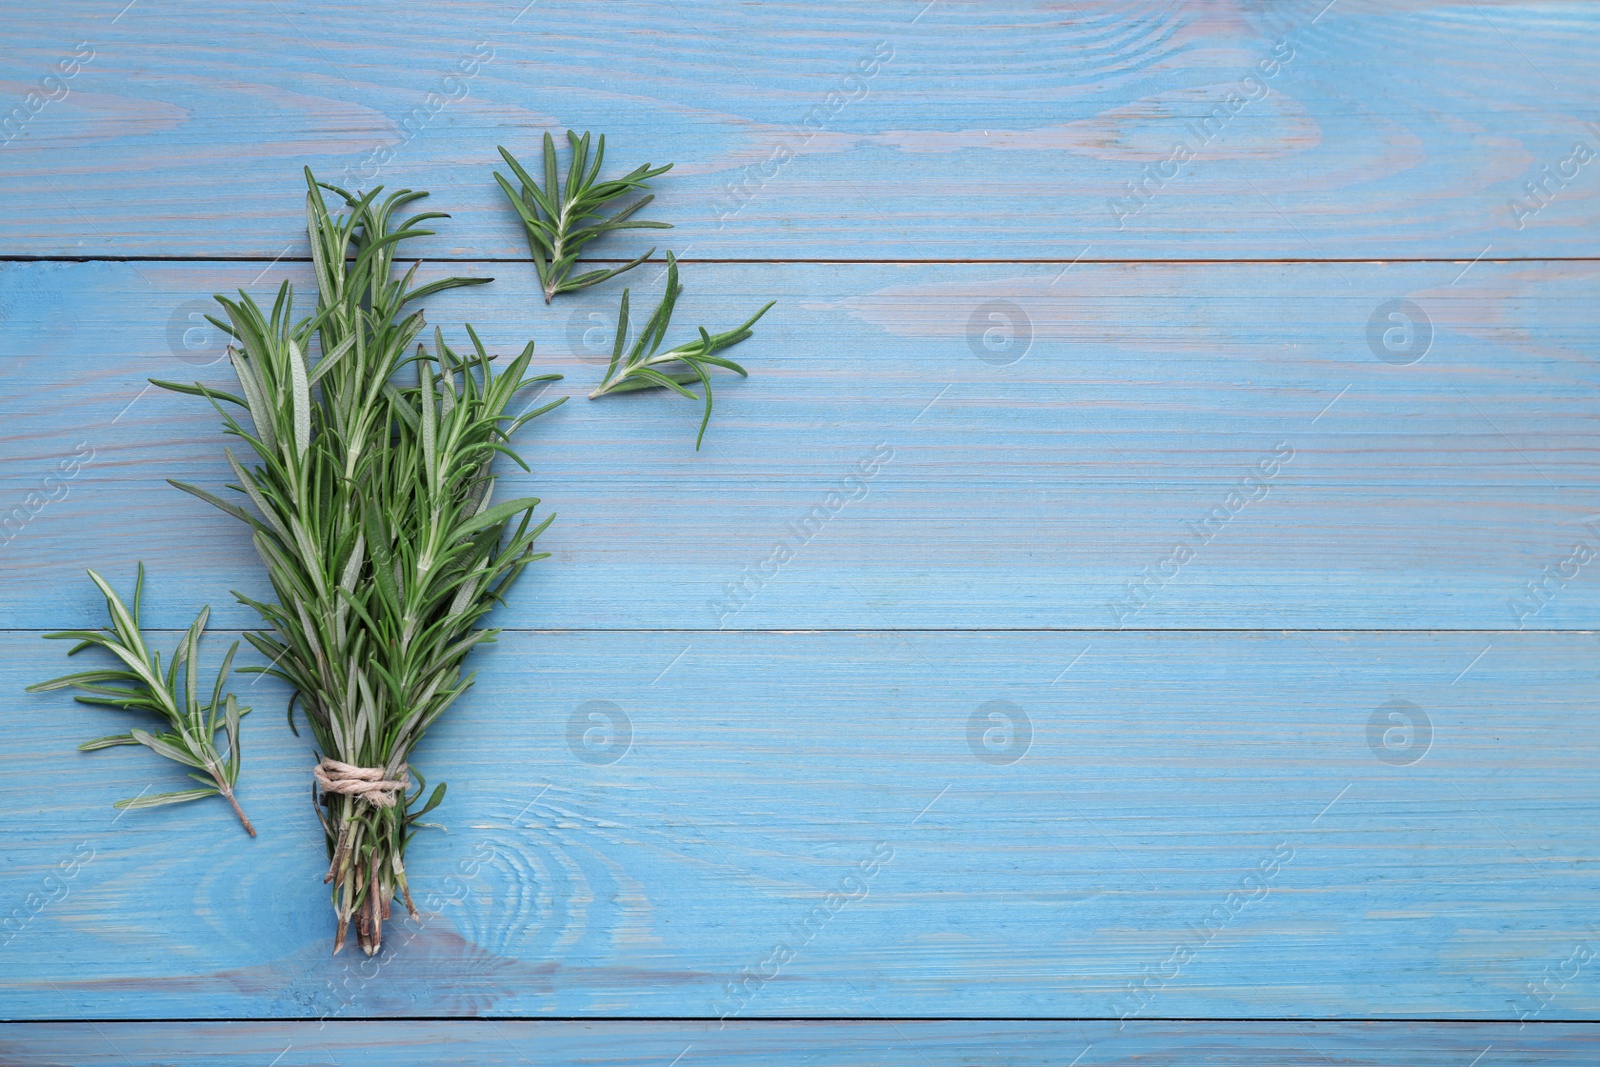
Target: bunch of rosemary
{"points": [[375, 518], [373, 512]]}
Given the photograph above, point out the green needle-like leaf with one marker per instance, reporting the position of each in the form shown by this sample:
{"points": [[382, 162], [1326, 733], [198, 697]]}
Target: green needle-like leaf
{"points": [[369, 495], [107, 742], [157, 800], [643, 367], [173, 698], [561, 220]]}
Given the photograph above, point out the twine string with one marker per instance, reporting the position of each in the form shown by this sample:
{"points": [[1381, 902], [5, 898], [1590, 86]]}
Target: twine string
{"points": [[368, 783]]}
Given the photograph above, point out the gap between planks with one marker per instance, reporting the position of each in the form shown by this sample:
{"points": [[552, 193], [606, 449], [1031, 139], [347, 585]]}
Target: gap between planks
{"points": [[1577, 631], [1365, 1020], [1377, 260]]}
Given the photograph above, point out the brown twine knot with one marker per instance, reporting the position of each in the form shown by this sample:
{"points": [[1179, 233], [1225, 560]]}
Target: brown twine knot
{"points": [[367, 783]]}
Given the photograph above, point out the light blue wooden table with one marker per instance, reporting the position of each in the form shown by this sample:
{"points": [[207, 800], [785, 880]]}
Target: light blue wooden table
{"points": [[1205, 672]]}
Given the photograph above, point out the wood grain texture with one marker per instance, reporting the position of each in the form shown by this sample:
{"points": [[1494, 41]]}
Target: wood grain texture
{"points": [[1031, 494], [899, 700], [982, 130], [799, 825], [899, 1043]]}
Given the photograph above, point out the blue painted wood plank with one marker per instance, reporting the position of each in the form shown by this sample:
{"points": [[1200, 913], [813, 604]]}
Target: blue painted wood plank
{"points": [[1157, 824], [1175, 446], [826, 1043], [832, 824], [900, 130]]}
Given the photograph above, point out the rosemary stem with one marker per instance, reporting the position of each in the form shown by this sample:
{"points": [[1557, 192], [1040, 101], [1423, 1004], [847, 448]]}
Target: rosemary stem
{"points": [[237, 810], [675, 356], [556, 251], [371, 512]]}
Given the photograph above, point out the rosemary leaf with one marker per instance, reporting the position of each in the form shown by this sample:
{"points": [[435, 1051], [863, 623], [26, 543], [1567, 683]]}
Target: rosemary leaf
{"points": [[561, 219], [374, 516], [643, 367], [159, 799], [191, 737]]}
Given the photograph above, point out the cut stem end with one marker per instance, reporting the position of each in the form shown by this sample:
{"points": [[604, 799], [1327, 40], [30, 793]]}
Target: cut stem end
{"points": [[237, 810]]}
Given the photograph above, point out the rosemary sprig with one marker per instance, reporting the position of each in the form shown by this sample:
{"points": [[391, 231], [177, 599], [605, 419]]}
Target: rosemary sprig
{"points": [[561, 220], [173, 696], [644, 368], [374, 518]]}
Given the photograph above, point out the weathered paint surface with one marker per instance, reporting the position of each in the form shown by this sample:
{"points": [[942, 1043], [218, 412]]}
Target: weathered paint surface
{"points": [[877, 131], [1149, 575], [884, 1043], [876, 471]]}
